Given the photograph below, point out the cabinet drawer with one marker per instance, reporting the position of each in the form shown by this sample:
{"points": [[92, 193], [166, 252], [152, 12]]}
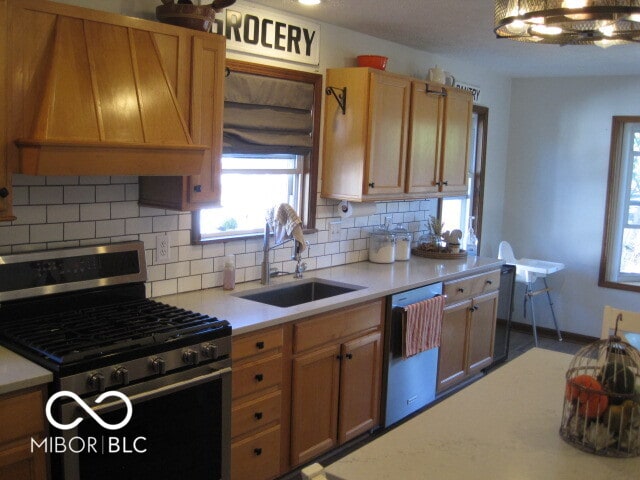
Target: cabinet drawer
{"points": [[256, 376], [336, 325], [257, 344], [257, 457], [21, 415], [457, 290], [255, 414]]}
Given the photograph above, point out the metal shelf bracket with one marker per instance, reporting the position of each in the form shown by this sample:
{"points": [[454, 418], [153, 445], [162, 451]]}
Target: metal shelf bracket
{"points": [[340, 97]]}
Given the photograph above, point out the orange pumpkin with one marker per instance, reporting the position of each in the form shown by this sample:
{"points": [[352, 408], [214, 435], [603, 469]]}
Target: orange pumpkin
{"points": [[587, 392]]}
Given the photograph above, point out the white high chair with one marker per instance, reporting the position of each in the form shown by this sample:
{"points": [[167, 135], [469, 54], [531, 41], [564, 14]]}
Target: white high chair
{"points": [[527, 272]]}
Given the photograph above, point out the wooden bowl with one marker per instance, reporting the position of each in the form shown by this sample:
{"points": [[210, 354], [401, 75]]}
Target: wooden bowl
{"points": [[196, 17], [372, 61]]}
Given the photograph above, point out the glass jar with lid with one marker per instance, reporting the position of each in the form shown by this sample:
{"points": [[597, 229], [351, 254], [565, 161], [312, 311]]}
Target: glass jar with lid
{"points": [[403, 243], [382, 246]]}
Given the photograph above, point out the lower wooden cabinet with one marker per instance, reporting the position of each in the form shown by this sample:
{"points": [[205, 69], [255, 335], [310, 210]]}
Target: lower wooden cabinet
{"points": [[257, 405], [468, 328], [336, 382], [21, 419]]}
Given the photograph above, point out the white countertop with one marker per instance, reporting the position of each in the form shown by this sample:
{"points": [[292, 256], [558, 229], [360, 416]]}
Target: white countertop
{"points": [[379, 279], [17, 373], [504, 426]]}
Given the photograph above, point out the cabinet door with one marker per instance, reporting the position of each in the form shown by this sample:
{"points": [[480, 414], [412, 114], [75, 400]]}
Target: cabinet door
{"points": [[207, 104], [452, 356], [482, 331], [18, 463], [458, 107], [360, 379], [315, 390], [388, 128], [423, 165]]}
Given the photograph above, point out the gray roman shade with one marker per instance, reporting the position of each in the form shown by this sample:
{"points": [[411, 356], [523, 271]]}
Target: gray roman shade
{"points": [[267, 115]]}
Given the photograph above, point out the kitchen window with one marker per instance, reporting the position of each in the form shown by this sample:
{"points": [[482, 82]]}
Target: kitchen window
{"points": [[270, 150], [620, 262], [455, 212]]}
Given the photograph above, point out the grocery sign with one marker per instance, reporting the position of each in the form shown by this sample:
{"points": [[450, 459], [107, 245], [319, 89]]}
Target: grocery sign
{"points": [[270, 34]]}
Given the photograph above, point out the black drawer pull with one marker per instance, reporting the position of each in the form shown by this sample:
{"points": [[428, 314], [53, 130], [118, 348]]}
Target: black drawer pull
{"points": [[258, 415], [257, 451], [349, 356], [460, 290], [489, 282], [259, 377], [260, 345]]}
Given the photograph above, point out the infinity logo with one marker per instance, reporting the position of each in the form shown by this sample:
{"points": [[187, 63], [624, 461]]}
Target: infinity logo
{"points": [[88, 409]]}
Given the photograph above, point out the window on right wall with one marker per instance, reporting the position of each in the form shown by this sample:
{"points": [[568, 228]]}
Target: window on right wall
{"points": [[620, 261]]}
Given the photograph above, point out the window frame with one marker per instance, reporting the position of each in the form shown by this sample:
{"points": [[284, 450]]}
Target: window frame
{"points": [[612, 230], [310, 162]]}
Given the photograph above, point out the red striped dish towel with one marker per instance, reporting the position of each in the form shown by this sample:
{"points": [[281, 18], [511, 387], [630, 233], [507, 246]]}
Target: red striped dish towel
{"points": [[421, 324]]}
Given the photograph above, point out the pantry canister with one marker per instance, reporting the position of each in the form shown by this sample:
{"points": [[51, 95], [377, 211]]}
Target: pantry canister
{"points": [[382, 246], [403, 243]]}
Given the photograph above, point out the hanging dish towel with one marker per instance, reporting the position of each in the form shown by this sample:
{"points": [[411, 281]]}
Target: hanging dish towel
{"points": [[421, 324], [285, 224]]}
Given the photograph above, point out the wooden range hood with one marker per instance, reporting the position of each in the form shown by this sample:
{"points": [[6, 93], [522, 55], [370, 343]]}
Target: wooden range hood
{"points": [[107, 107]]}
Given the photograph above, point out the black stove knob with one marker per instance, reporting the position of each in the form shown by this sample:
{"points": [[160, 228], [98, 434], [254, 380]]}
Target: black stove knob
{"points": [[97, 381], [121, 374], [210, 350], [159, 365], [191, 357]]}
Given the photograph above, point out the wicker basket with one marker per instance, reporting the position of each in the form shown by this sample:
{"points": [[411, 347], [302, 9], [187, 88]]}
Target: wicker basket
{"points": [[196, 17], [601, 413]]}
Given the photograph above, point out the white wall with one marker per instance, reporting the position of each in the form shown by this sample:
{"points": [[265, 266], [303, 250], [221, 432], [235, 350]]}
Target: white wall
{"points": [[556, 188]]}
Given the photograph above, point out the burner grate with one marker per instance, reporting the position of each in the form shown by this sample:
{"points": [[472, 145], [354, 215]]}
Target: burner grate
{"points": [[94, 331]]}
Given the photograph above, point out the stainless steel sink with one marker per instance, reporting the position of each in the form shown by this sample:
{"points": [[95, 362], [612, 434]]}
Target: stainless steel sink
{"points": [[298, 292]]}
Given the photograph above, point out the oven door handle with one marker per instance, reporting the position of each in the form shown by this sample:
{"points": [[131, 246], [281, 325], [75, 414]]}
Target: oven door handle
{"points": [[164, 390]]}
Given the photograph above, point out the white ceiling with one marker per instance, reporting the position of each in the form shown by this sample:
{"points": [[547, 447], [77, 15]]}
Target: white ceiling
{"points": [[464, 29]]}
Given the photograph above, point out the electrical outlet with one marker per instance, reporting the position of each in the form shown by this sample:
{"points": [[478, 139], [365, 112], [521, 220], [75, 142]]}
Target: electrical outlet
{"points": [[163, 249], [334, 231]]}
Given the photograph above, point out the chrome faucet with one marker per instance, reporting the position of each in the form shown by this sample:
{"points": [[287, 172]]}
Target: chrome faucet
{"points": [[265, 273]]}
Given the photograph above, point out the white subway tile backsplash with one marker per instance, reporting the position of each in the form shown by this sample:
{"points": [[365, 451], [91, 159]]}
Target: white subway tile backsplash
{"points": [[63, 213], [110, 193], [79, 230], [95, 211], [124, 210], [52, 232], [138, 225], [56, 212], [30, 214], [110, 228], [46, 195], [14, 235], [80, 194]]}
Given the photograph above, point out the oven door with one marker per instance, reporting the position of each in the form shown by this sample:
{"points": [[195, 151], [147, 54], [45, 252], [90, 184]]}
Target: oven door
{"points": [[179, 428]]}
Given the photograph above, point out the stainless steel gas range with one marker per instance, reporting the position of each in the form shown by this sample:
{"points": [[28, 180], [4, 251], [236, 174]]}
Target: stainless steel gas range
{"points": [[141, 389]]}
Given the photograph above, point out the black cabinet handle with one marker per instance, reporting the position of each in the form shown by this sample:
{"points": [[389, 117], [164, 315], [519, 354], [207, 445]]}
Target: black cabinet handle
{"points": [[338, 357], [372, 184], [260, 345], [258, 415], [349, 356], [4, 192], [259, 377], [489, 282], [446, 182], [461, 290], [257, 451], [197, 188]]}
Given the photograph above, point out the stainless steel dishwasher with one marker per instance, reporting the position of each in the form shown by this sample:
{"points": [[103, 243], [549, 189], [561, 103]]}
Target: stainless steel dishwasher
{"points": [[411, 382]]}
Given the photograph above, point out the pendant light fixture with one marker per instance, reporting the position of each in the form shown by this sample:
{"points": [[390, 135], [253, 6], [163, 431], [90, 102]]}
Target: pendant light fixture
{"points": [[569, 22]]}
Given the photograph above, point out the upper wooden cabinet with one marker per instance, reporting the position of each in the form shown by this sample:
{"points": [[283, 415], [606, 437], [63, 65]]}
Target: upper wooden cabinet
{"points": [[397, 138], [201, 90], [438, 158]]}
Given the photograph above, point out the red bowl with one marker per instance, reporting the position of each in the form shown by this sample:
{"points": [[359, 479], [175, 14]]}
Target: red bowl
{"points": [[373, 61]]}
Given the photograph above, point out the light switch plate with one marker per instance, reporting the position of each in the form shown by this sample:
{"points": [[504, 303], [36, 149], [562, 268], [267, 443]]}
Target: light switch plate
{"points": [[334, 231], [163, 249]]}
